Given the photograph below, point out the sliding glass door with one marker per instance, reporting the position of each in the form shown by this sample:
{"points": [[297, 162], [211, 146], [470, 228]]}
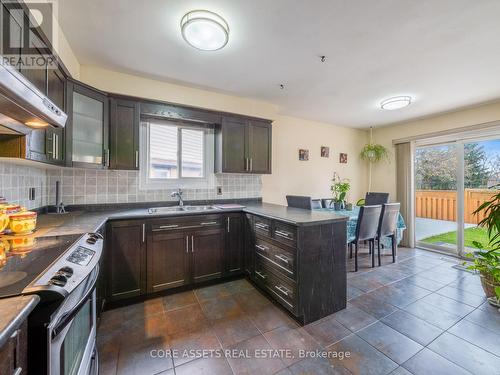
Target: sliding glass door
{"points": [[451, 181], [436, 197], [481, 182]]}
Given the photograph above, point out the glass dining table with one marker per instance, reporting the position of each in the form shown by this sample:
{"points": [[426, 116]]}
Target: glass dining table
{"points": [[353, 221]]}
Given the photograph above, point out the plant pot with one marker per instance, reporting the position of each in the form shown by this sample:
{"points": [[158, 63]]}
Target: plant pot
{"points": [[337, 206], [348, 206], [494, 301], [488, 285]]}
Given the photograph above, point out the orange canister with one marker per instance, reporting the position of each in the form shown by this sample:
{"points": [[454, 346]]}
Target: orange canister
{"points": [[22, 245], [22, 222], [11, 208], [4, 220]]}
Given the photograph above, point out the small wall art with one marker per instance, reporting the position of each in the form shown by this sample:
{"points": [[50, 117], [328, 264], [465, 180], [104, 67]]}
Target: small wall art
{"points": [[325, 152], [343, 158], [303, 154]]}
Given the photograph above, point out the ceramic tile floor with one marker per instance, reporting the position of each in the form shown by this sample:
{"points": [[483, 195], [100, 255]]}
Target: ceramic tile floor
{"points": [[417, 316]]}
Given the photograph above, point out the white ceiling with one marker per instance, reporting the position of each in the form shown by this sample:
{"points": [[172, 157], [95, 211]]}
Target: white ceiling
{"points": [[444, 53]]}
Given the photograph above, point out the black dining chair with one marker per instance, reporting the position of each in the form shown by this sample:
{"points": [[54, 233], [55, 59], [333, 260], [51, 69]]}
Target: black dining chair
{"points": [[327, 202], [299, 201], [387, 227], [372, 198], [316, 203], [366, 230]]}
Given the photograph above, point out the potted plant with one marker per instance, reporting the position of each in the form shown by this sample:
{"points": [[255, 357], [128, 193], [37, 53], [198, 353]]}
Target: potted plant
{"points": [[373, 153], [486, 261], [340, 188]]}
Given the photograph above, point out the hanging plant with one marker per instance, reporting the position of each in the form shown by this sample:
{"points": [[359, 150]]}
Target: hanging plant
{"points": [[373, 153]]}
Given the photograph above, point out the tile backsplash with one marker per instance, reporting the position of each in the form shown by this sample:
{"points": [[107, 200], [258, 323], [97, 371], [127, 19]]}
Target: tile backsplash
{"points": [[15, 181], [88, 186]]}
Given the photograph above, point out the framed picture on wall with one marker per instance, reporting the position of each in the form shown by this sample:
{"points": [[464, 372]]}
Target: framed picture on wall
{"points": [[343, 158], [303, 154], [325, 152]]}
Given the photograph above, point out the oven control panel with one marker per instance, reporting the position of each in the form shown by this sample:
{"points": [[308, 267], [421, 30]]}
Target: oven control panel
{"points": [[81, 256], [72, 267]]}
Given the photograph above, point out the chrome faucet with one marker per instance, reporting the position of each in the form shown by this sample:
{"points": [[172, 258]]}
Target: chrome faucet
{"points": [[178, 194]]}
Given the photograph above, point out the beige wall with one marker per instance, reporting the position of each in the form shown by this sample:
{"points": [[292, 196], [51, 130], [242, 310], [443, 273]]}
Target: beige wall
{"points": [[112, 81], [313, 177], [384, 176], [290, 176]]}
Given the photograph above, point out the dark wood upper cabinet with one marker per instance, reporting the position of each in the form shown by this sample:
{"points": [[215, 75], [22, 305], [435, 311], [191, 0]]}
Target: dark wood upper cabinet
{"points": [[87, 128], [168, 260], [234, 242], [124, 134], [231, 153], [243, 146], [56, 87], [126, 259], [54, 138], [206, 249], [259, 147]]}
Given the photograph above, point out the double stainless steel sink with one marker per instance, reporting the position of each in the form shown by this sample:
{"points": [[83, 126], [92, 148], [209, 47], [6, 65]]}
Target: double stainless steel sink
{"points": [[172, 209]]}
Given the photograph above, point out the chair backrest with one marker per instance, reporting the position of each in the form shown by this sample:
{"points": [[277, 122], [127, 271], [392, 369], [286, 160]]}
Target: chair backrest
{"points": [[368, 221], [327, 202], [316, 203], [299, 201], [388, 219], [372, 199]]}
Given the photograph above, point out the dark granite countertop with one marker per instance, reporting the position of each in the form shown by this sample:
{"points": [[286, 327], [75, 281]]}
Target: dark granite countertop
{"points": [[295, 216], [82, 221], [15, 311]]}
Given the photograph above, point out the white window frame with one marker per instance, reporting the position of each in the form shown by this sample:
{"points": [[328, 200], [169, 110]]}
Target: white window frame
{"points": [[147, 183]]}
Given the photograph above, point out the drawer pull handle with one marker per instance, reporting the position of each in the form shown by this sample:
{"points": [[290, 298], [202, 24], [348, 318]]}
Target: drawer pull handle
{"points": [[262, 226], [168, 226], [282, 258], [260, 247], [18, 371], [260, 274], [282, 289], [283, 234], [210, 223]]}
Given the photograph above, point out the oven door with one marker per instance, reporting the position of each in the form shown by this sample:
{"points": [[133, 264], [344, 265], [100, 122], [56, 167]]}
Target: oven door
{"points": [[72, 332]]}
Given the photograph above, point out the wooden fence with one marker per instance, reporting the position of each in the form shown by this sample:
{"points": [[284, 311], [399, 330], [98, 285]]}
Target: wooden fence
{"points": [[442, 204]]}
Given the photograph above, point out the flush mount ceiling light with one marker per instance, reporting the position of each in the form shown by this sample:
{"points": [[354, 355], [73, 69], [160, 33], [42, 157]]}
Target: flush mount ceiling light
{"points": [[204, 30], [396, 102]]}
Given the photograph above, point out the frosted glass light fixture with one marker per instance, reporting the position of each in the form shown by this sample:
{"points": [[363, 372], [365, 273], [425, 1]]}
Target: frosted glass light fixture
{"points": [[204, 30], [396, 102]]}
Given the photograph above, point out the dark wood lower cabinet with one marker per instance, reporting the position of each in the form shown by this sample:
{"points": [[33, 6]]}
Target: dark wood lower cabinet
{"points": [[303, 268], [206, 250], [234, 243], [168, 260], [13, 354], [126, 259]]}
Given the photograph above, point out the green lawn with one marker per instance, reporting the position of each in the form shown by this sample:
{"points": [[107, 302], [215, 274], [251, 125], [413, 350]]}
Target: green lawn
{"points": [[471, 234]]}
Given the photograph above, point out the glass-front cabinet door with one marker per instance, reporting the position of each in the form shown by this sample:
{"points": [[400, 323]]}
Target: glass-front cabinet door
{"points": [[89, 127]]}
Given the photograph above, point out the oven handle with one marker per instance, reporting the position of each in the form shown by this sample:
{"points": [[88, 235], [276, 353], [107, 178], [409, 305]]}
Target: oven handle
{"points": [[65, 319]]}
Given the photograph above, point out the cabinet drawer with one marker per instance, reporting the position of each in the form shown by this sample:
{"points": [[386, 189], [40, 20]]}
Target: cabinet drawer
{"points": [[262, 226], [283, 261], [285, 233], [282, 289], [188, 222]]}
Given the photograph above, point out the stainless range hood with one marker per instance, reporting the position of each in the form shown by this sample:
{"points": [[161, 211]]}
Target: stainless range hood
{"points": [[23, 107]]}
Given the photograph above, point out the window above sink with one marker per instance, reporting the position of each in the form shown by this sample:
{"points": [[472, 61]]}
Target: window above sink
{"points": [[175, 154]]}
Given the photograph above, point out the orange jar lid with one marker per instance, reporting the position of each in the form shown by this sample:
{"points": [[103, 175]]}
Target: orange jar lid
{"points": [[23, 215]]}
